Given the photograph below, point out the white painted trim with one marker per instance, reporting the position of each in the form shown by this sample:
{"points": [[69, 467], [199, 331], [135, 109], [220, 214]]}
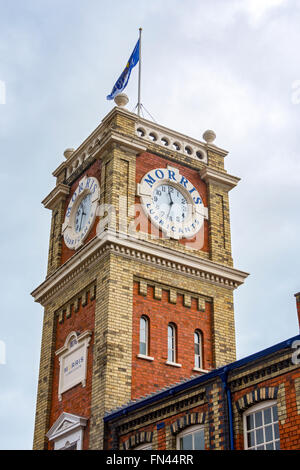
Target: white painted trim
{"points": [[197, 369], [174, 364], [60, 191], [187, 431], [147, 358], [253, 409], [212, 175], [147, 446], [68, 428]]}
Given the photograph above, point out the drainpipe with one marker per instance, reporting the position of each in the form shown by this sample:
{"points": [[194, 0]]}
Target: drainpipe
{"points": [[227, 390]]}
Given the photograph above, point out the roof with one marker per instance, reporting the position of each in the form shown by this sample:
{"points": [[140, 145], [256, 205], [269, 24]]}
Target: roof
{"points": [[195, 380]]}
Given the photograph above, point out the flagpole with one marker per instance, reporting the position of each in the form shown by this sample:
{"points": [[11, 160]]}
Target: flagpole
{"points": [[140, 71]]}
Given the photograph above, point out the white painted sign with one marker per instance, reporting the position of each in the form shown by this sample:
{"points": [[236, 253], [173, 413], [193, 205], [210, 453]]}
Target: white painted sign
{"points": [[73, 361]]}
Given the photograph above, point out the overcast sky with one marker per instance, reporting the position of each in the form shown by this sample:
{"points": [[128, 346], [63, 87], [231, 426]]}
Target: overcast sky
{"points": [[231, 66]]}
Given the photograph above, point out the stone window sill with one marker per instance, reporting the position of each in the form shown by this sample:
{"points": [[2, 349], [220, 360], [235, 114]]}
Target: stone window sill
{"points": [[174, 364], [147, 358], [197, 369]]}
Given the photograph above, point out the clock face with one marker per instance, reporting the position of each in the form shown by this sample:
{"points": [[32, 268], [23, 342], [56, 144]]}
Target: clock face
{"points": [[172, 202], [81, 212]]}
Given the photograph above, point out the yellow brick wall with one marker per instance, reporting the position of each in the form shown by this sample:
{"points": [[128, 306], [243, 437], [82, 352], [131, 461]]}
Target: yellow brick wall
{"points": [[114, 276]]}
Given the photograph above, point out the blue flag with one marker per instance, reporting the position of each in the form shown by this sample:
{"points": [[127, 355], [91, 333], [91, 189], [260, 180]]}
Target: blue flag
{"points": [[124, 77]]}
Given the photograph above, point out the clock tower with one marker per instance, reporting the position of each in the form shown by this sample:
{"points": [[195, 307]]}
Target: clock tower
{"points": [[139, 287]]}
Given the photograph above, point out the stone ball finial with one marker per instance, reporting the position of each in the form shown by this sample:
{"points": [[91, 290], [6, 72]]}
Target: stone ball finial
{"points": [[68, 153], [209, 136], [121, 99]]}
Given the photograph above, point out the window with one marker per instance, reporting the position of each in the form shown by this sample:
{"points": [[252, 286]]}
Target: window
{"points": [[144, 334], [69, 446], [198, 349], [67, 432], [261, 431], [146, 446], [191, 438], [171, 343]]}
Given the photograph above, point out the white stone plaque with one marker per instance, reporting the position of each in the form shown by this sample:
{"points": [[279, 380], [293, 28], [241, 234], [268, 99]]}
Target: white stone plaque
{"points": [[73, 361]]}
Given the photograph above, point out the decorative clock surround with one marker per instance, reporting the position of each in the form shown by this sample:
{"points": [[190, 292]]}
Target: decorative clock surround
{"points": [[172, 202], [81, 212]]}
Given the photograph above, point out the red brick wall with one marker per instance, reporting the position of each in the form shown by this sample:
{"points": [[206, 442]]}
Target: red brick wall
{"points": [[95, 171], [149, 376], [161, 433], [77, 400], [289, 431], [146, 162]]}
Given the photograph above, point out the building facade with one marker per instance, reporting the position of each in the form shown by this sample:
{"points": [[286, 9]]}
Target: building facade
{"points": [[139, 287], [253, 403]]}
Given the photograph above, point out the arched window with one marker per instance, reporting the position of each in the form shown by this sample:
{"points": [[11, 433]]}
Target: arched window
{"points": [[192, 438], [198, 349], [261, 430], [144, 336], [171, 342]]}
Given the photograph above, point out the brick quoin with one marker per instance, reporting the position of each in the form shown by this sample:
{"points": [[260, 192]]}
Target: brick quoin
{"points": [[77, 400], [95, 171], [146, 162], [149, 376]]}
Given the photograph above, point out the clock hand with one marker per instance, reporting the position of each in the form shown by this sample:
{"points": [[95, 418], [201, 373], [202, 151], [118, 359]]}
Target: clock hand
{"points": [[171, 200], [81, 220], [171, 207]]}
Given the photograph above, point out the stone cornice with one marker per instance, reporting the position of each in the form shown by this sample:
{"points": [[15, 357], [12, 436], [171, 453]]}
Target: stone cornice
{"points": [[211, 175], [139, 251], [113, 137], [60, 191]]}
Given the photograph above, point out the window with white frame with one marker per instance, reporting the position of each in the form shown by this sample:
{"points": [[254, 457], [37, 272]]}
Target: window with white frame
{"points": [[146, 446], [198, 349], [192, 438], [67, 432], [171, 343], [261, 430], [144, 336]]}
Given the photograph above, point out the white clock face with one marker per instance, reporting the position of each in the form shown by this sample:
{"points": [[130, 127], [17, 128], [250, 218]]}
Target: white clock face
{"points": [[81, 212], [172, 202]]}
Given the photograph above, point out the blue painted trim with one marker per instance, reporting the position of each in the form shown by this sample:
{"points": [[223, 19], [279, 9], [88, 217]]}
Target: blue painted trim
{"points": [[200, 379], [160, 425]]}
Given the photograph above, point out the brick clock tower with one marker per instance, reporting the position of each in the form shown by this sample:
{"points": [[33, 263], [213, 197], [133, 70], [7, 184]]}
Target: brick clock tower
{"points": [[139, 287]]}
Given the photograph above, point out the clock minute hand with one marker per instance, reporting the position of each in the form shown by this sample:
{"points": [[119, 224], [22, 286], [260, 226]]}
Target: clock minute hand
{"points": [[171, 200]]}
